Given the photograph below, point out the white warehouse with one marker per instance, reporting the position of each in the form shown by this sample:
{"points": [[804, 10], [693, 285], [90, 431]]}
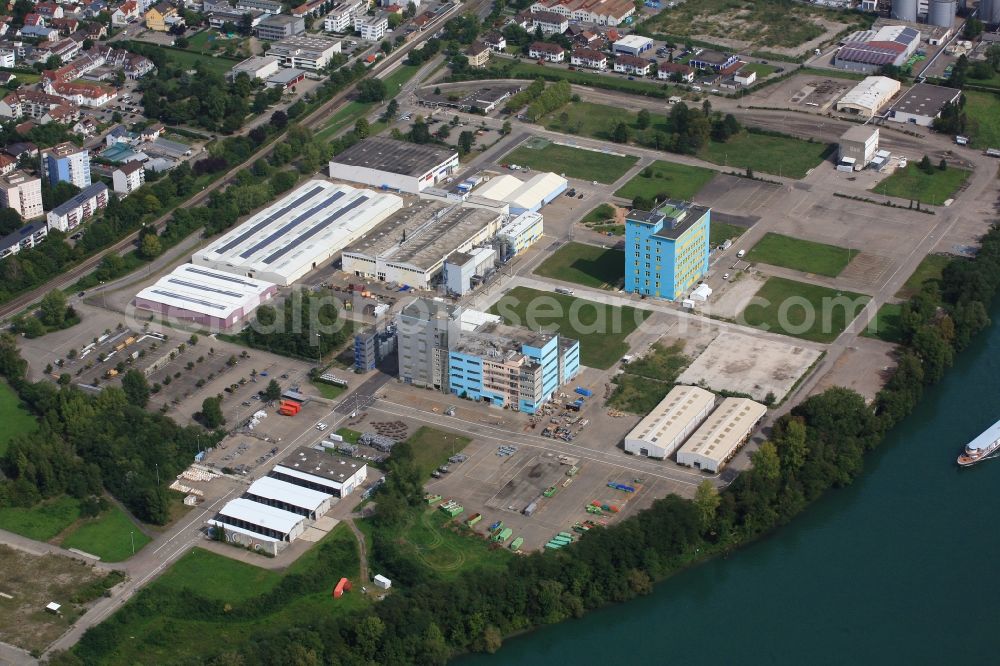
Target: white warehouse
{"points": [[318, 470], [258, 526], [306, 502], [666, 427], [300, 232], [722, 434], [523, 196], [394, 165]]}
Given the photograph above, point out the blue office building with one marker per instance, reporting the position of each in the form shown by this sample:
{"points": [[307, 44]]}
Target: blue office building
{"points": [[666, 250], [511, 367]]}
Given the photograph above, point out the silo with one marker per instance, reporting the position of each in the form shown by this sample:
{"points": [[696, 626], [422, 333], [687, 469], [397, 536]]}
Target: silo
{"points": [[942, 13], [904, 10], [989, 12]]}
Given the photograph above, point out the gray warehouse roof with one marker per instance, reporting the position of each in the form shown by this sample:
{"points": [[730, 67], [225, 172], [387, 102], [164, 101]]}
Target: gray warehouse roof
{"points": [[400, 157], [923, 99]]}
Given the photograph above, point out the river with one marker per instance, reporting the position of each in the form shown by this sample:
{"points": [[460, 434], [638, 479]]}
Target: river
{"points": [[896, 568]]}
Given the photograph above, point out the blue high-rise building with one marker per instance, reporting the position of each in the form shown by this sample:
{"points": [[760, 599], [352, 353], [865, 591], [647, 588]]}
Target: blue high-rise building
{"points": [[666, 250], [67, 163]]}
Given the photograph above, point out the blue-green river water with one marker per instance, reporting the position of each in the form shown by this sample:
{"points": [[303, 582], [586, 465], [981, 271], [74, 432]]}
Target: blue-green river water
{"points": [[901, 567]]}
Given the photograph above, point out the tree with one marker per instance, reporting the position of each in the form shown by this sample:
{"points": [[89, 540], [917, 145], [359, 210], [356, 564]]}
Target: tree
{"points": [[273, 391], [419, 132], [181, 42], [362, 128], [151, 247], [372, 90], [53, 62], [53, 308], [136, 388], [942, 165], [644, 119], [925, 165], [465, 140], [279, 119], [973, 28], [211, 412], [706, 498], [506, 128], [10, 221], [620, 133]]}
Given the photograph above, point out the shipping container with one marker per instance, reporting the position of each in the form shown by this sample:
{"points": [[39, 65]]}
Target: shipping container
{"points": [[476, 517], [516, 543], [530, 509], [585, 392]]}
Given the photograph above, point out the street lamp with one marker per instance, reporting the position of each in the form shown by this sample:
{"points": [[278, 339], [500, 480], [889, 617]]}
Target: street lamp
{"points": [[131, 535]]}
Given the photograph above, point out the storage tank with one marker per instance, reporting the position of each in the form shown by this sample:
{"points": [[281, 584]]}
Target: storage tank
{"points": [[989, 12], [942, 13], [904, 10]]}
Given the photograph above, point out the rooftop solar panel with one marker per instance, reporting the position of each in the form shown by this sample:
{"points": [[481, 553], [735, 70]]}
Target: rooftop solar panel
{"points": [[219, 276], [284, 229], [315, 230], [189, 299], [268, 220], [202, 287]]}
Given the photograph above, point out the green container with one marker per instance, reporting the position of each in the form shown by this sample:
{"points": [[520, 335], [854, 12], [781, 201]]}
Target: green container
{"points": [[516, 543], [565, 534]]}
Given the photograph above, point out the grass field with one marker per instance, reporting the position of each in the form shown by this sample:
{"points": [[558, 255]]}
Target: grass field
{"points": [[801, 255], [885, 327], [159, 627], [806, 311], [216, 63], [42, 521], [573, 162], [586, 265], [929, 188], [350, 436], [15, 419], [432, 448], [720, 232], [328, 391], [930, 268], [761, 69], [646, 381], [601, 329], [667, 179], [983, 112], [600, 214], [588, 119], [523, 70], [109, 536], [780, 155]]}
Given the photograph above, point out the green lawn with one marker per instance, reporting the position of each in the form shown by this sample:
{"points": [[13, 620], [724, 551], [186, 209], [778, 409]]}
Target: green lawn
{"points": [[218, 578], [932, 188], [573, 162], [42, 521], [719, 232], [216, 63], [885, 326], [15, 419], [801, 255], [350, 436], [432, 448], [646, 381], [666, 179], [109, 536], [761, 69], [587, 119], [930, 268], [586, 265], [803, 310], [983, 112], [780, 155], [601, 329], [523, 70], [236, 602], [601, 214], [328, 391]]}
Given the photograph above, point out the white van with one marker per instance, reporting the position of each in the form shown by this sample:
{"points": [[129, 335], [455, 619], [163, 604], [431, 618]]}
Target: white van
{"points": [[740, 254]]}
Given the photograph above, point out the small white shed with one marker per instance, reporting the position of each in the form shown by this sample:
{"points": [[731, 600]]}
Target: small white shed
{"points": [[382, 582]]}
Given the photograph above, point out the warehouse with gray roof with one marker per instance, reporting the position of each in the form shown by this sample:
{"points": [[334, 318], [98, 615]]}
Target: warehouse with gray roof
{"points": [[394, 165]]}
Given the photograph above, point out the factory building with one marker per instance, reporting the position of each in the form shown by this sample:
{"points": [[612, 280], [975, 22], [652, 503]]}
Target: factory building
{"points": [[520, 233], [868, 51], [633, 45], [524, 196], [373, 345], [922, 103], [721, 435], [858, 146], [258, 526], [208, 297], [394, 165], [672, 421], [412, 246], [425, 331], [666, 250], [869, 97], [320, 471], [463, 271], [298, 233], [511, 367], [311, 504]]}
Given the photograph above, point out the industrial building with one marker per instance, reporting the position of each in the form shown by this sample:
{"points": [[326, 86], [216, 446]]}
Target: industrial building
{"points": [[633, 45], [412, 246], [666, 250], [258, 526], [280, 494], [256, 67], [858, 146], [922, 103], [425, 331], [600, 12], [868, 51], [713, 60], [721, 435], [299, 232], [520, 233], [869, 97], [394, 165], [511, 367], [463, 271], [209, 297], [321, 471], [74, 211], [523, 196], [372, 346], [672, 421]]}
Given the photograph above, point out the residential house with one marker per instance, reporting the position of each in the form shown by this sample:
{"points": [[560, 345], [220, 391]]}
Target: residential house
{"points": [[38, 106], [85, 127], [372, 28], [66, 49], [496, 41], [159, 17], [39, 32], [26, 237], [478, 54], [713, 60], [65, 26], [589, 58], [600, 12], [128, 178], [7, 164], [266, 6], [629, 64], [311, 8], [72, 213], [125, 13], [549, 22], [674, 71], [49, 10], [5, 25], [22, 193], [546, 51]]}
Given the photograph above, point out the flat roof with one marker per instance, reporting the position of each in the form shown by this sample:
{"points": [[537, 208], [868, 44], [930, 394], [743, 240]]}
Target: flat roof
{"points": [[424, 233], [261, 515], [392, 156], [677, 217], [633, 40], [534, 191], [319, 466], [312, 221], [724, 429], [860, 133], [426, 309], [275, 489], [205, 291], [286, 75], [673, 415], [924, 99], [499, 342], [521, 223]]}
